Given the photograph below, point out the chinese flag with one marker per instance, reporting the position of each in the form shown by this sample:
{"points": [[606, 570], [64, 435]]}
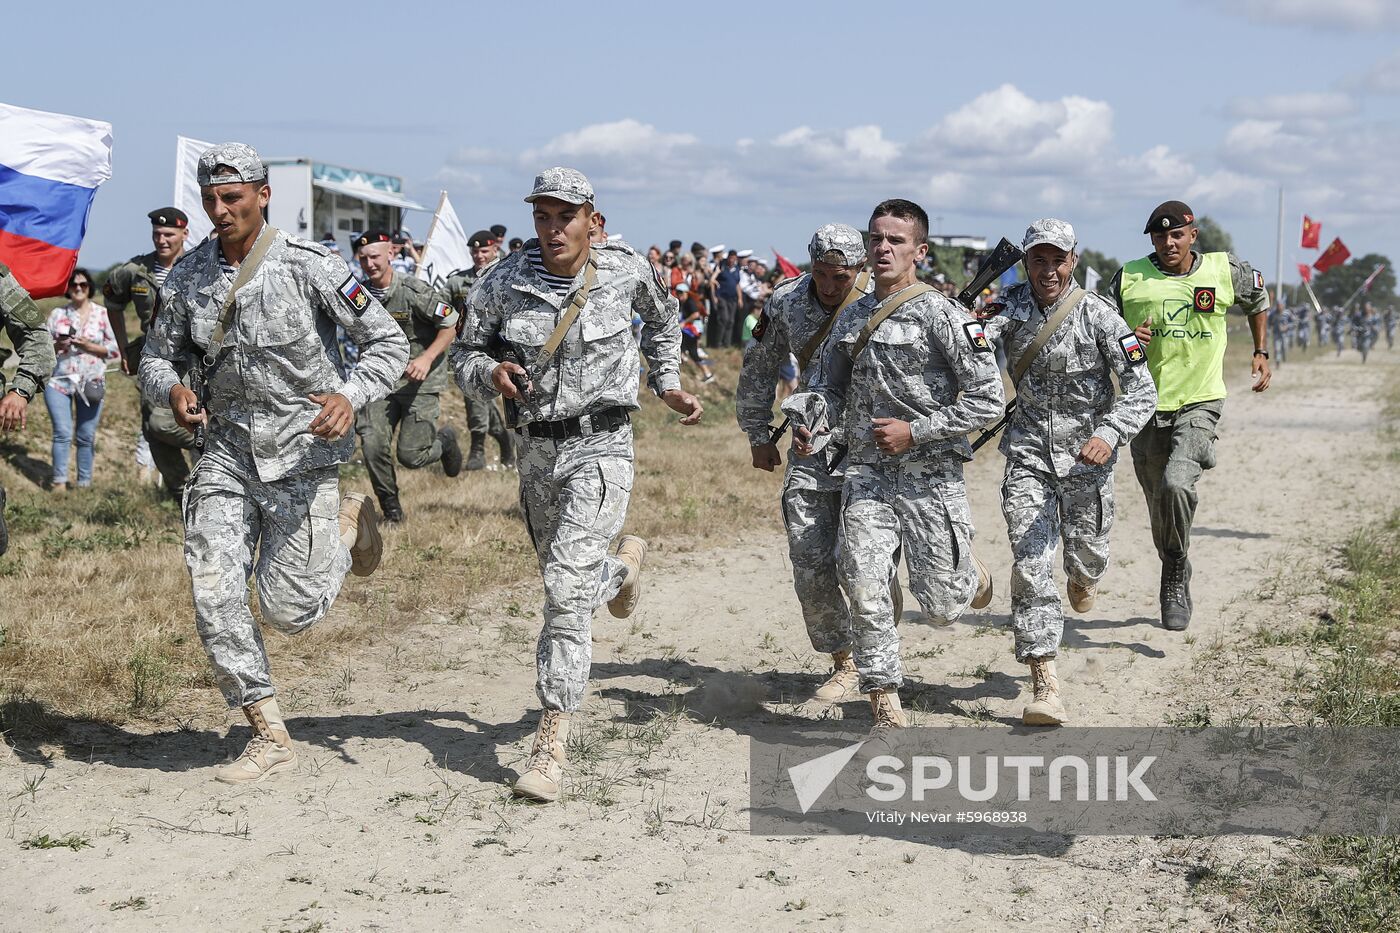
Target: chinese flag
{"points": [[788, 269], [1335, 254], [1305, 272], [1312, 229]]}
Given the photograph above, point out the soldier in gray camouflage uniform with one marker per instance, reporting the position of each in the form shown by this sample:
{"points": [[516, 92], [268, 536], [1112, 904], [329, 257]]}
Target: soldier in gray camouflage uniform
{"points": [[903, 407], [413, 407], [1061, 443], [799, 319], [21, 318], [278, 426], [575, 428], [483, 418]]}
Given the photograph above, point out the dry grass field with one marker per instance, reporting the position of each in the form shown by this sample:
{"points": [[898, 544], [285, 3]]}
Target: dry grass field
{"points": [[97, 619]]}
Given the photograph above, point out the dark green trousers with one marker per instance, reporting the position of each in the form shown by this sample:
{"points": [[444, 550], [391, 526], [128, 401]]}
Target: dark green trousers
{"points": [[1169, 456]]}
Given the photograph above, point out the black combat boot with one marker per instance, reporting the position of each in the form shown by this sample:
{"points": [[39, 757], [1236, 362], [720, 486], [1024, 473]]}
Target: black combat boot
{"points": [[393, 512], [451, 451], [1176, 594], [476, 460]]}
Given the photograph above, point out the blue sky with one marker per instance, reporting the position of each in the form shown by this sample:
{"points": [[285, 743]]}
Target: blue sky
{"points": [[754, 128]]}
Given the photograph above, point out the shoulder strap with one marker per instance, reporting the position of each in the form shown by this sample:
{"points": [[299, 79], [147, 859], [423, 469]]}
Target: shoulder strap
{"points": [[245, 273], [556, 337], [856, 293], [1070, 302], [878, 318]]}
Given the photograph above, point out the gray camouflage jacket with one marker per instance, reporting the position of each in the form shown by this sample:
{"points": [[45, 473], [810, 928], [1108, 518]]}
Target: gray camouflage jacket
{"points": [[279, 348], [927, 364], [1067, 395], [27, 326], [596, 366]]}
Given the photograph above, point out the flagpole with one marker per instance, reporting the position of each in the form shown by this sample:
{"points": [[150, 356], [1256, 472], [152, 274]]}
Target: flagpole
{"points": [[1278, 267], [1311, 294], [1364, 285], [428, 240]]}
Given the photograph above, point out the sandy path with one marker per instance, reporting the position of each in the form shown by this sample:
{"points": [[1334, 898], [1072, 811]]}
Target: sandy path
{"points": [[398, 819]]}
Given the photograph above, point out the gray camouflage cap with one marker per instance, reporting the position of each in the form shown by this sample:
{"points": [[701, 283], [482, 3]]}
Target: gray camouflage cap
{"points": [[838, 244], [247, 165], [566, 184], [1052, 231]]}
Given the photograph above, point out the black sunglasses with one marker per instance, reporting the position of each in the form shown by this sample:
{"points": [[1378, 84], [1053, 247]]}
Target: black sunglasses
{"points": [[73, 285]]}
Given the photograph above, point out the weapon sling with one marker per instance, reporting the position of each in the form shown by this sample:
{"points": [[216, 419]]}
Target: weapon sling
{"points": [[245, 274], [1018, 372]]}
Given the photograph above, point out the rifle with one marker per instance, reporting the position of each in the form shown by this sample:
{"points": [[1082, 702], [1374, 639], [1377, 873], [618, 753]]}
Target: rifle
{"points": [[1002, 257], [505, 352], [200, 388]]}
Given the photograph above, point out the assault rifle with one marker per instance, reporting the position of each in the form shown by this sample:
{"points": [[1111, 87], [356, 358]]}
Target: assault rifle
{"points": [[200, 388], [505, 352]]}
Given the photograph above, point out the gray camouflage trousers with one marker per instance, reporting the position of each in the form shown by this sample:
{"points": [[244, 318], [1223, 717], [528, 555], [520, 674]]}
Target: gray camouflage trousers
{"points": [[1169, 455], [574, 496], [812, 518], [293, 526], [1041, 510], [923, 508]]}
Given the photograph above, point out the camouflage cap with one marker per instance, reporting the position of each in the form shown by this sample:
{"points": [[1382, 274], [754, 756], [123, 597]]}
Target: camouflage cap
{"points": [[1049, 230], [838, 244], [247, 165], [566, 184]]}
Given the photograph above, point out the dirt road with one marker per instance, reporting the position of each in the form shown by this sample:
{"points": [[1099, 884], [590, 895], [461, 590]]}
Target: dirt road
{"points": [[398, 818]]}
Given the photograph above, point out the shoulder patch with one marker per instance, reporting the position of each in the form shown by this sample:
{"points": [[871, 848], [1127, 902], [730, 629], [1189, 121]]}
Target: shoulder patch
{"points": [[761, 327], [1258, 280], [354, 294], [977, 337], [443, 311], [1132, 349], [992, 309]]}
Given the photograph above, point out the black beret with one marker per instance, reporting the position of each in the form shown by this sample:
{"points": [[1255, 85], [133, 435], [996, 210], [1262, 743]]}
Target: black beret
{"points": [[698, 248], [516, 241], [371, 236], [482, 238], [499, 231], [1168, 216], [169, 217]]}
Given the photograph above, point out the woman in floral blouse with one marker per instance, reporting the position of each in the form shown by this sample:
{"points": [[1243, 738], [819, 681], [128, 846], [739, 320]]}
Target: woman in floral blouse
{"points": [[83, 342]]}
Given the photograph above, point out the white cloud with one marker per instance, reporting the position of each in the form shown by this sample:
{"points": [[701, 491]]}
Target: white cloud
{"points": [[1007, 124], [1333, 14], [623, 138], [1320, 105], [1383, 77]]}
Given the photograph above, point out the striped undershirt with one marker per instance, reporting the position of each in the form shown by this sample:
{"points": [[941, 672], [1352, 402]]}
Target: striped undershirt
{"points": [[379, 293], [160, 273], [559, 284]]}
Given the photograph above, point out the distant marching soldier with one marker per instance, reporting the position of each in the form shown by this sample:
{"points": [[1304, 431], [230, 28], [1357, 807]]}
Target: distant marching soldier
{"points": [[483, 418]]}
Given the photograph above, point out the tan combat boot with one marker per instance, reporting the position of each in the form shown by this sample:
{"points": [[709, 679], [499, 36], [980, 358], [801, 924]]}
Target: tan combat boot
{"points": [[983, 596], [632, 551], [844, 682], [359, 529], [269, 751], [884, 704], [1045, 708], [1081, 596], [544, 770]]}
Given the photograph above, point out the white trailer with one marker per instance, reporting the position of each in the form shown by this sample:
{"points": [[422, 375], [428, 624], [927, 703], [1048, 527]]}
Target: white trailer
{"points": [[311, 198]]}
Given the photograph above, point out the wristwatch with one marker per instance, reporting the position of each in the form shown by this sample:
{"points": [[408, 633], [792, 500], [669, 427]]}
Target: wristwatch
{"points": [[1263, 353]]}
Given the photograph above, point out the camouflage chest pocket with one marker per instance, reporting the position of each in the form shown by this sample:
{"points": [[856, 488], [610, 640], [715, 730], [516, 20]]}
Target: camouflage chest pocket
{"points": [[606, 322], [528, 328], [282, 322], [899, 348]]}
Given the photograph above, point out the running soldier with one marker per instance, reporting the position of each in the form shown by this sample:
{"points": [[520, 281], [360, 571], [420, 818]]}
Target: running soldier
{"points": [[1183, 295], [483, 418], [1061, 443], [412, 409], [799, 319], [21, 318], [137, 282], [276, 429], [903, 390], [564, 309]]}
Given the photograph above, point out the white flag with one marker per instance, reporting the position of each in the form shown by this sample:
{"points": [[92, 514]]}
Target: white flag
{"points": [[187, 153], [1091, 279], [446, 249]]}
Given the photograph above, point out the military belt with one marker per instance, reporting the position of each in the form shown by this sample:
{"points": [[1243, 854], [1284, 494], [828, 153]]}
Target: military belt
{"points": [[597, 422]]}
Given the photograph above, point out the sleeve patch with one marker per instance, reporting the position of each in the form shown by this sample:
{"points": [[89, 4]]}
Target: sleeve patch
{"points": [[354, 294], [443, 311], [977, 337], [1132, 349], [1258, 280]]}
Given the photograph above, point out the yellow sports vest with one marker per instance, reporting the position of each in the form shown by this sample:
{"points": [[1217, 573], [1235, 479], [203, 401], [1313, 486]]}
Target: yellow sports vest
{"points": [[1187, 353]]}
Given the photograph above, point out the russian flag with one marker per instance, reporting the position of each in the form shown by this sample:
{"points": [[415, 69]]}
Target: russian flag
{"points": [[50, 167]]}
